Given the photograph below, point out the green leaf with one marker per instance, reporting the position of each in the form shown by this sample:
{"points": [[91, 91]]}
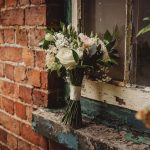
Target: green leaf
{"points": [[108, 36], [146, 18], [144, 30], [111, 44], [75, 56]]}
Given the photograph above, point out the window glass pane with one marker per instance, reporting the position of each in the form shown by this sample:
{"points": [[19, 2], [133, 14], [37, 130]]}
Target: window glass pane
{"points": [[100, 15], [142, 49]]}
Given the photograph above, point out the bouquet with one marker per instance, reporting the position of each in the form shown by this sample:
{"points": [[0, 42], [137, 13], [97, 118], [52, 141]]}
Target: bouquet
{"points": [[73, 55]]}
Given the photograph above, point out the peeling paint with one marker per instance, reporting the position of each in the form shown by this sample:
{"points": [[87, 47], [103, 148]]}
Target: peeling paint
{"points": [[68, 139]]}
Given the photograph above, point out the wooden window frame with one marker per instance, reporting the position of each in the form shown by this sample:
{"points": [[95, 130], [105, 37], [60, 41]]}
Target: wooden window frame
{"points": [[123, 94]]}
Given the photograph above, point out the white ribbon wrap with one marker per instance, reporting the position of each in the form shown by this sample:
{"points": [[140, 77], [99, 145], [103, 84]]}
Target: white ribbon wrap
{"points": [[75, 93]]}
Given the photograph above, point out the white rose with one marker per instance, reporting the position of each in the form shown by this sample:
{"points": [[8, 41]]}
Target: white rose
{"points": [[49, 37], [66, 58]]}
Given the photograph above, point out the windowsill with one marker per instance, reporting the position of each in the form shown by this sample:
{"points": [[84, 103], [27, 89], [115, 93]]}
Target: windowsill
{"points": [[92, 136], [117, 93]]}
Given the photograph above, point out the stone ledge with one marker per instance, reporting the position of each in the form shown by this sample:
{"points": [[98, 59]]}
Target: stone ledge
{"points": [[91, 137]]}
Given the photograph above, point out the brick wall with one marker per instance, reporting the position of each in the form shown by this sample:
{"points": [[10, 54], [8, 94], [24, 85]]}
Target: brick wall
{"points": [[23, 80]]}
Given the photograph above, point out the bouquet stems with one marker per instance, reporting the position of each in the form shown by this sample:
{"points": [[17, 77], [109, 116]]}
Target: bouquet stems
{"points": [[73, 116]]}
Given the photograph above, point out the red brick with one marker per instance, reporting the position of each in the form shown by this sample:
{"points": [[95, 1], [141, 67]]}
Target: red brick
{"points": [[34, 148], [2, 2], [23, 145], [35, 16], [40, 98], [10, 3], [44, 80], [28, 57], [11, 54], [9, 71], [3, 147], [20, 110], [40, 59], [19, 73], [22, 37], [24, 2], [10, 123], [1, 86], [12, 141], [3, 136], [8, 105], [1, 107], [1, 70], [16, 91], [29, 110], [28, 134], [35, 36], [12, 17], [8, 88], [55, 146], [1, 36], [37, 1], [9, 36], [25, 94], [33, 77]]}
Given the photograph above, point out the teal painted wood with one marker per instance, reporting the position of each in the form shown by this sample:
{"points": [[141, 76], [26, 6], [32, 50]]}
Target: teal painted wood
{"points": [[68, 11], [112, 116]]}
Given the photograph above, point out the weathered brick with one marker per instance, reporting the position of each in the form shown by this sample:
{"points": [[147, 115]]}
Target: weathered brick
{"points": [[22, 145], [1, 70], [19, 73], [33, 77], [40, 59], [35, 36], [1, 36], [9, 71], [3, 147], [10, 123], [25, 94], [40, 98], [44, 80], [11, 54], [35, 16], [22, 37], [9, 36], [8, 88], [28, 57], [3, 136], [24, 2], [8, 105], [37, 1], [20, 110], [10, 3], [28, 134], [12, 17], [29, 110], [2, 2], [12, 141]]}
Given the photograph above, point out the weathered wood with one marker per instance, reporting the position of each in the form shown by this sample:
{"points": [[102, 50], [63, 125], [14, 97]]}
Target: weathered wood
{"points": [[90, 137]]}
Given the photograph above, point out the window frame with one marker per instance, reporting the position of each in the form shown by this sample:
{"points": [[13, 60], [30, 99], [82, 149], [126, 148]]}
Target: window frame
{"points": [[123, 94]]}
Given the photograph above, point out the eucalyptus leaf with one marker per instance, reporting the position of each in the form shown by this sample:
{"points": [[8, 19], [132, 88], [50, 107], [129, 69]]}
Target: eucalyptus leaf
{"points": [[75, 56]]}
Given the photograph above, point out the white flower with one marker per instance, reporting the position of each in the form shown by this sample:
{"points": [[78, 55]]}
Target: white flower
{"points": [[62, 43], [65, 57], [49, 37], [59, 36]]}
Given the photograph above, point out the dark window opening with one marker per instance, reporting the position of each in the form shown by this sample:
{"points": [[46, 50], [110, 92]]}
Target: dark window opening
{"points": [[100, 15], [142, 44]]}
